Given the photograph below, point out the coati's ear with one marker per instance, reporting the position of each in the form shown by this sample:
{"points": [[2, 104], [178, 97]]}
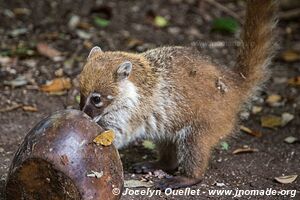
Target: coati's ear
{"points": [[124, 70], [94, 50]]}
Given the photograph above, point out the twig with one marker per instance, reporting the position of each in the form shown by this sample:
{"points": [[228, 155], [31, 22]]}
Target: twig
{"points": [[224, 9], [11, 108]]}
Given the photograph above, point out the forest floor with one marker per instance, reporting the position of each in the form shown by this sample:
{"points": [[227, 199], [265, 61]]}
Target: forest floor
{"points": [[43, 40]]}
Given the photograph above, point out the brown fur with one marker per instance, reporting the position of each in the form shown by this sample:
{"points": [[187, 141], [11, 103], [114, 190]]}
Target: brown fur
{"points": [[200, 100]]}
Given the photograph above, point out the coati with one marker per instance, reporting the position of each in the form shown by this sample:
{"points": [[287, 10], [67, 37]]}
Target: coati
{"points": [[176, 97]]}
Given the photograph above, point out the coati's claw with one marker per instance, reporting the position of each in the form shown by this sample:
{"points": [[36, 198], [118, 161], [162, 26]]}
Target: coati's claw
{"points": [[145, 167], [176, 182]]}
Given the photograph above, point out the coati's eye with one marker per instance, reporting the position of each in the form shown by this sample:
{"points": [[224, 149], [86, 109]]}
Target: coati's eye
{"points": [[96, 100]]}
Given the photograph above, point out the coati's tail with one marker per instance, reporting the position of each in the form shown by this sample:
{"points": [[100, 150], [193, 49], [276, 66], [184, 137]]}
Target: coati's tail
{"points": [[258, 43]]}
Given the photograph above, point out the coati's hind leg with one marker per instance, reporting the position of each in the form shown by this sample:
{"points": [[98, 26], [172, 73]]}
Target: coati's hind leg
{"points": [[167, 160], [193, 157]]}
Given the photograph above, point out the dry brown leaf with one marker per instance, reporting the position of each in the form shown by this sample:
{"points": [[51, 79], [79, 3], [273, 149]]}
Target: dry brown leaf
{"points": [[273, 99], [270, 121], [294, 81], [290, 56], [47, 51], [133, 42], [244, 150], [286, 179], [250, 132], [245, 129], [30, 108], [84, 25], [57, 85], [256, 109], [106, 138]]}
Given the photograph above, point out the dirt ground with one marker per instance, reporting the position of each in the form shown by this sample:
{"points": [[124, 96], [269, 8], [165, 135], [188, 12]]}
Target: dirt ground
{"points": [[131, 29]]}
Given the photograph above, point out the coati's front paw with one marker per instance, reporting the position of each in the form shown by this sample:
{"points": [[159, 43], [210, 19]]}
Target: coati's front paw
{"points": [[145, 167], [176, 182]]}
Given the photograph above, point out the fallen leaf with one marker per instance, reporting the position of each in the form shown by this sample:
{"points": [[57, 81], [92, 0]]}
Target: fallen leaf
{"points": [[77, 98], [220, 184], [286, 179], [245, 129], [160, 174], [244, 150], [45, 50], [273, 99], [18, 31], [270, 121], [227, 25], [244, 115], [160, 21], [18, 82], [101, 22], [21, 11], [4, 60], [59, 72], [95, 174], [11, 108], [286, 118], [68, 64], [74, 21], [22, 51], [250, 132], [106, 138], [148, 144], [57, 85], [224, 146], [84, 25], [290, 56], [83, 34], [29, 108], [290, 139], [256, 109], [137, 184], [294, 81], [133, 42]]}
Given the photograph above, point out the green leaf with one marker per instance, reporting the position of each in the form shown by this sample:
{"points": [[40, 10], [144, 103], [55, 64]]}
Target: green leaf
{"points": [[148, 144], [77, 98], [227, 25], [224, 146], [20, 51], [101, 22], [160, 21]]}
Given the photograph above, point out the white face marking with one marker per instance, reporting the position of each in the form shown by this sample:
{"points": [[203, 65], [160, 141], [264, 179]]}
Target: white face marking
{"points": [[109, 97], [96, 95], [117, 115]]}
